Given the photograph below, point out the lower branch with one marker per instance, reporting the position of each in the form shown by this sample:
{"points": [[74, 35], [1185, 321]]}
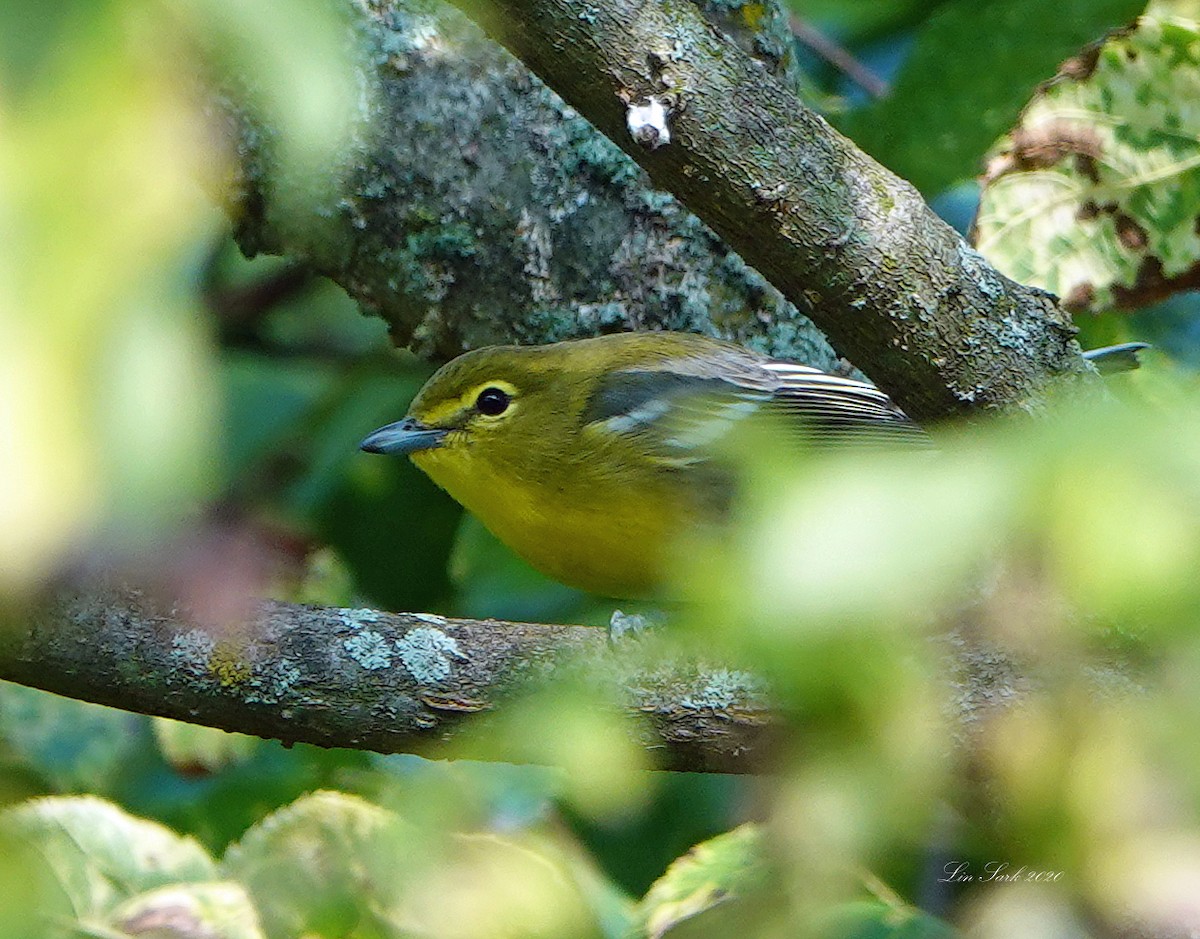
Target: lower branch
{"points": [[368, 680]]}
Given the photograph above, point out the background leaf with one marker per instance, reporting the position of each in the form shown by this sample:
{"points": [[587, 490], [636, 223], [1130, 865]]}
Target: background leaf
{"points": [[969, 74], [189, 911], [875, 920], [193, 749], [717, 872], [1095, 195], [86, 856], [70, 745], [328, 865]]}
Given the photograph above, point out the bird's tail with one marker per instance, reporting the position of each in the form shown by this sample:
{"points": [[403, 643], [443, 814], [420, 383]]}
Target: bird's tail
{"points": [[1119, 358]]}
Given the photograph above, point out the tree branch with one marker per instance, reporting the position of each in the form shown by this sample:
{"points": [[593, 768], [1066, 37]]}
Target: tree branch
{"points": [[358, 678], [474, 206]]}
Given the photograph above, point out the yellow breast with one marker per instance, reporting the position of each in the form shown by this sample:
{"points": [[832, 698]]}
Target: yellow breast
{"points": [[606, 536]]}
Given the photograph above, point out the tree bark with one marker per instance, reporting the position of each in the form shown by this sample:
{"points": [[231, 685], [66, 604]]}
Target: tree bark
{"points": [[411, 683], [473, 206]]}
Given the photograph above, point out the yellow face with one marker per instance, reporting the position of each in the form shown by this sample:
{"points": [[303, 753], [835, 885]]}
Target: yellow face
{"points": [[499, 411], [478, 422], [481, 397], [481, 409]]}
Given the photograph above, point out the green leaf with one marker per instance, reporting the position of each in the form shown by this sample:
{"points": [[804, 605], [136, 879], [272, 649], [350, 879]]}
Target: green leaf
{"points": [[487, 887], [84, 856], [333, 865], [973, 67], [710, 875], [311, 106], [114, 448], [1095, 194], [328, 865], [876, 920], [70, 744], [189, 911], [196, 750]]}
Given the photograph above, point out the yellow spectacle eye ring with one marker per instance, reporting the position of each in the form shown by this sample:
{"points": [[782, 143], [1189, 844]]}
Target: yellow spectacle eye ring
{"points": [[492, 401]]}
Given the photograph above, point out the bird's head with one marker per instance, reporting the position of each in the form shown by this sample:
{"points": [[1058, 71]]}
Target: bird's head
{"points": [[492, 406], [522, 409]]}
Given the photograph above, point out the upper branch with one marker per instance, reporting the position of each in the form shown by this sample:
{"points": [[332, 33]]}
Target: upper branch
{"points": [[472, 206], [895, 288]]}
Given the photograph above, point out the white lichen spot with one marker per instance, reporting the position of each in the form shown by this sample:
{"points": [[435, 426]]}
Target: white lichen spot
{"points": [[192, 650], [647, 123], [426, 654], [356, 619], [424, 35], [724, 688], [431, 618], [622, 625], [369, 649]]}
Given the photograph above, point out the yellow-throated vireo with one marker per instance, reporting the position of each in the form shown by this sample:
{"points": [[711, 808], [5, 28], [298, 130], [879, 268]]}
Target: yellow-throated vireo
{"points": [[589, 458]]}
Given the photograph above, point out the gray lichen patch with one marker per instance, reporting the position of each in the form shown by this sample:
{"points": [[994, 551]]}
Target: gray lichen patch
{"points": [[658, 677], [369, 649], [725, 688], [356, 619], [976, 265], [427, 654], [272, 680], [192, 651]]}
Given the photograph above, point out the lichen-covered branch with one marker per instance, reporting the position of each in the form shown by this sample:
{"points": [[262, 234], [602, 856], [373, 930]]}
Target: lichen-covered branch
{"points": [[893, 286], [368, 680], [477, 207]]}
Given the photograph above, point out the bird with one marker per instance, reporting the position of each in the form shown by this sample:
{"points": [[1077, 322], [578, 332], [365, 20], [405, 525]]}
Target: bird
{"points": [[591, 457]]}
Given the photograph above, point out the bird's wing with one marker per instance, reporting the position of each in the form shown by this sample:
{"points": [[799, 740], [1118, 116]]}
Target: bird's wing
{"points": [[834, 409], [673, 416], [678, 414]]}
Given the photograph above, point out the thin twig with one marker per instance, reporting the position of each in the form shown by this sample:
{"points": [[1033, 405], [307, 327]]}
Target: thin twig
{"points": [[839, 57]]}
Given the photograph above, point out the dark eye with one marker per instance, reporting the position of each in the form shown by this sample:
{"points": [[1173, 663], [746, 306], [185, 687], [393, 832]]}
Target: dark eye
{"points": [[492, 401]]}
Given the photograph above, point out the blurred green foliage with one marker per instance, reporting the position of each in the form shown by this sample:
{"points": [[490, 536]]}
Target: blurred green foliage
{"points": [[169, 406]]}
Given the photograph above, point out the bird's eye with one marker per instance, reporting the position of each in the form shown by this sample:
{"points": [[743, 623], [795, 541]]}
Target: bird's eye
{"points": [[492, 401]]}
